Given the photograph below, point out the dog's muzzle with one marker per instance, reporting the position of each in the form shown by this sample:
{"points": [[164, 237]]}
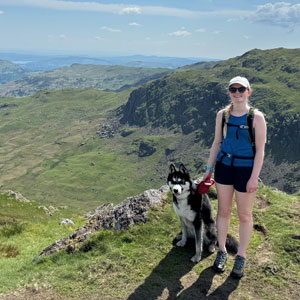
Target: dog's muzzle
{"points": [[177, 189]]}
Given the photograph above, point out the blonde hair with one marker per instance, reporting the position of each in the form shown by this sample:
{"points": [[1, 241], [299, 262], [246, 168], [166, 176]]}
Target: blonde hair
{"points": [[228, 109]]}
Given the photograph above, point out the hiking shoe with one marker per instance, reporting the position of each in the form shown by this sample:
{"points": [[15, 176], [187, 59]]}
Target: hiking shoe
{"points": [[219, 264], [238, 267]]}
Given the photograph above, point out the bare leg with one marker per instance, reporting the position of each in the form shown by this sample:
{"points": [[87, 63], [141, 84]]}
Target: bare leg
{"points": [[245, 203], [225, 195]]}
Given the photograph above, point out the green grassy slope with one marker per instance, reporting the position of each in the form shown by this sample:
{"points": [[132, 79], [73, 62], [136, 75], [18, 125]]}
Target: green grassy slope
{"points": [[52, 154], [142, 262], [41, 132]]}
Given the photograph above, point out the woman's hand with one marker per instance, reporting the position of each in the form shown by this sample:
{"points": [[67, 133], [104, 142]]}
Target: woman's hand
{"points": [[252, 185], [207, 175]]}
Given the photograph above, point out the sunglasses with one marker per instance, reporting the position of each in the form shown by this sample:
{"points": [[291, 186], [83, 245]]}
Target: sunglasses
{"points": [[233, 90]]}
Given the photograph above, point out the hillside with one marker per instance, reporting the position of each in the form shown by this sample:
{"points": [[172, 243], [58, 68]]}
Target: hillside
{"points": [[80, 77], [188, 101], [203, 65], [68, 147], [51, 151], [142, 262], [10, 71]]}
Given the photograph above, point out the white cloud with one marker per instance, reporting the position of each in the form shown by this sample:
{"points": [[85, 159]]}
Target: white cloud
{"points": [[122, 8], [217, 32], [1, 12], [101, 7], [99, 38], [200, 30], [60, 36], [131, 10], [281, 14], [134, 24], [110, 29], [181, 32], [235, 19]]}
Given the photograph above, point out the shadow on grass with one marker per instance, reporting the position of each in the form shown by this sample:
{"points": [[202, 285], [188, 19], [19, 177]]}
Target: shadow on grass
{"points": [[201, 287], [164, 281]]}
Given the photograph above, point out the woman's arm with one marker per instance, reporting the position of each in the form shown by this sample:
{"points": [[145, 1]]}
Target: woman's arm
{"points": [[259, 124], [215, 148]]}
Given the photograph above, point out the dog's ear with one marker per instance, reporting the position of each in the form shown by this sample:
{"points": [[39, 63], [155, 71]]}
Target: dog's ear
{"points": [[183, 169], [172, 169]]}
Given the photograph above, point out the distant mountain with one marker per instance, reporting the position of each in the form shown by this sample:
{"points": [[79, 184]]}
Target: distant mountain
{"points": [[78, 76], [10, 71], [52, 63], [32, 62], [155, 61]]}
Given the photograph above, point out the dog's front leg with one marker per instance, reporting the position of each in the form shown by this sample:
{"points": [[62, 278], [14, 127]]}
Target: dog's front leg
{"points": [[183, 240], [198, 231]]}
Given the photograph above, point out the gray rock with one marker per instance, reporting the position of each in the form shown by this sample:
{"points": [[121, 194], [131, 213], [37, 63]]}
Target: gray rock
{"points": [[16, 195], [133, 210], [67, 222]]}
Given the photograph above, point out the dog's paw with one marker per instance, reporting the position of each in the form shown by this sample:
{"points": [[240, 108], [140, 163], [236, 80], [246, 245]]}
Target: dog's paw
{"points": [[181, 243], [211, 248], [179, 237], [196, 258]]}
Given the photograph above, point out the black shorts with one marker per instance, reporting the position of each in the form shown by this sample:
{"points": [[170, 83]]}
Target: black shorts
{"points": [[236, 176]]}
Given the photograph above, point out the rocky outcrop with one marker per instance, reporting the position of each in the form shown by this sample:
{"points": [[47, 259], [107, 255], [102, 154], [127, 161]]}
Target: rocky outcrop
{"points": [[16, 196], [109, 128], [147, 148], [133, 210], [186, 102]]}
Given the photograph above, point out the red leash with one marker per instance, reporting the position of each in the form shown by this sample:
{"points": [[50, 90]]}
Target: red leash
{"points": [[204, 186]]}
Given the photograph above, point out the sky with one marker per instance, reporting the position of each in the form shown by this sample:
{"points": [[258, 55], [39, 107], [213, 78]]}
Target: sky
{"points": [[177, 28]]}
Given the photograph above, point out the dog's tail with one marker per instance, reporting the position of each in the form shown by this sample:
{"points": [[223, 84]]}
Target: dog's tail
{"points": [[232, 244]]}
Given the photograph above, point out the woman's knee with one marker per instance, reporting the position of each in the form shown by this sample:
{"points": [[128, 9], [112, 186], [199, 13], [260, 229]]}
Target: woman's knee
{"points": [[245, 217], [224, 213]]}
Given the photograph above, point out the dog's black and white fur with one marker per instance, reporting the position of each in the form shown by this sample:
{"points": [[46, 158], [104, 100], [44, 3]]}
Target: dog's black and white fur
{"points": [[195, 214]]}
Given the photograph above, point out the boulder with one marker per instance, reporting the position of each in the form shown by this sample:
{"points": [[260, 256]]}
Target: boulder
{"points": [[133, 210]]}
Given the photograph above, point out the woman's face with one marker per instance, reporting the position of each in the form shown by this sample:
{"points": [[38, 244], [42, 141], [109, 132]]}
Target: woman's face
{"points": [[238, 96]]}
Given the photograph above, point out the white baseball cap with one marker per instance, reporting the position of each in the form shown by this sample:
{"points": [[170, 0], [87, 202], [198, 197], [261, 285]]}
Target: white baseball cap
{"points": [[240, 80]]}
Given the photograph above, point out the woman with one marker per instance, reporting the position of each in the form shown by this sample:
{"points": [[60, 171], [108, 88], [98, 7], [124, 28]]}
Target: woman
{"points": [[237, 167]]}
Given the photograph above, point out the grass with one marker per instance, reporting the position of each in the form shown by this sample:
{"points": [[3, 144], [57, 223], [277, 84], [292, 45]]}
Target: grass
{"points": [[142, 261], [52, 154], [25, 229]]}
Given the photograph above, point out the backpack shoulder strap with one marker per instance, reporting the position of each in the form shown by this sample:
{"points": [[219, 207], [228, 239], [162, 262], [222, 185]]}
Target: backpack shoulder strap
{"points": [[251, 132], [223, 122]]}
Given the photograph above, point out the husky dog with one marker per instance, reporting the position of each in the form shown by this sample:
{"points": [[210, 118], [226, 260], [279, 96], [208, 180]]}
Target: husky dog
{"points": [[195, 214]]}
